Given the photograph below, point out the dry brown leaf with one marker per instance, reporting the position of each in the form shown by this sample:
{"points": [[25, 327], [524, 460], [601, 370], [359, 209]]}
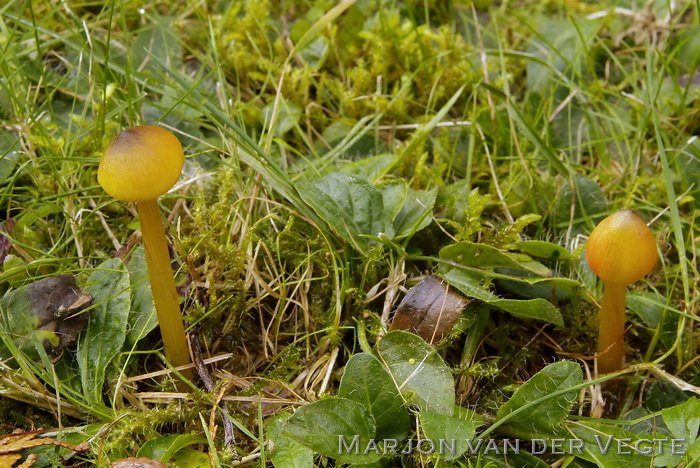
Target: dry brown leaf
{"points": [[29, 461], [12, 444], [8, 461], [429, 309]]}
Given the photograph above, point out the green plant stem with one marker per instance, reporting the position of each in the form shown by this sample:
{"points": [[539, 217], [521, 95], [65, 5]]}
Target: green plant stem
{"points": [[611, 328], [160, 273]]}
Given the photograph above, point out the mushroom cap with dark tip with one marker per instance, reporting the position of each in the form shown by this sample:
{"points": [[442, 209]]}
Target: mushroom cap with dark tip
{"points": [[141, 164], [621, 249]]}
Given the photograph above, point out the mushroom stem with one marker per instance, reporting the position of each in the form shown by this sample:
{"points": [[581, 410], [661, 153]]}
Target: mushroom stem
{"points": [[163, 285], [611, 328]]}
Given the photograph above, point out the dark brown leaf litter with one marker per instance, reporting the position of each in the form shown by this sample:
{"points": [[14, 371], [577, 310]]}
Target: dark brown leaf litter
{"points": [[5, 243], [430, 309], [58, 304]]}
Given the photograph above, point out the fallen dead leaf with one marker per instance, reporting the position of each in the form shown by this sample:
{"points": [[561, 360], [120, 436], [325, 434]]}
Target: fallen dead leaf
{"points": [[12, 444], [429, 309]]}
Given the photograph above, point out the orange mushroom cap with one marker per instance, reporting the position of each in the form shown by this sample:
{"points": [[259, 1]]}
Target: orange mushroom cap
{"points": [[141, 164], [621, 249]]}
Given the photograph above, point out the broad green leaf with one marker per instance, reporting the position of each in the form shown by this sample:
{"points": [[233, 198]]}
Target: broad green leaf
{"points": [[453, 200], [420, 135], [142, 318], [531, 309], [663, 394], [20, 325], [536, 413], [164, 448], [157, 37], [30, 216], [102, 340], [415, 213], [315, 52], [448, 433], [589, 198], [421, 375], [469, 283], [394, 193], [522, 459], [689, 40], [649, 306], [336, 427], [687, 164], [684, 422], [366, 381], [286, 453], [559, 44], [485, 256], [543, 249], [610, 446], [528, 286], [190, 458], [288, 115], [371, 169], [8, 161], [352, 208]]}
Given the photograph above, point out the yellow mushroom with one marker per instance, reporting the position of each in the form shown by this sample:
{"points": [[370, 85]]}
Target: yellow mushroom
{"points": [[621, 250], [139, 165]]}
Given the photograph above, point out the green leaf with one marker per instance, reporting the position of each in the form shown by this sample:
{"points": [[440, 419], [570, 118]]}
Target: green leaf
{"points": [[415, 213], [370, 169], [521, 460], [469, 283], [20, 324], [543, 249], [610, 446], [663, 394], [421, 375], [352, 208], [288, 115], [366, 381], [684, 421], [452, 430], [159, 38], [315, 53], [32, 215], [8, 161], [424, 132], [453, 200], [142, 318], [537, 417], [394, 193], [285, 452], [102, 340], [485, 256], [591, 202], [560, 44], [190, 458], [336, 427], [649, 306], [164, 448], [528, 286]]}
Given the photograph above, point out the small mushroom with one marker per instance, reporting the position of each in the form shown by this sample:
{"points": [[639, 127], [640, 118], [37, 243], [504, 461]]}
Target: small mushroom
{"points": [[621, 250], [139, 165]]}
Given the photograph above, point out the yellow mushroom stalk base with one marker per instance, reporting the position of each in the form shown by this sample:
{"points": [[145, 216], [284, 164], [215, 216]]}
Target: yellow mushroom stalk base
{"points": [[163, 285], [611, 330]]}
